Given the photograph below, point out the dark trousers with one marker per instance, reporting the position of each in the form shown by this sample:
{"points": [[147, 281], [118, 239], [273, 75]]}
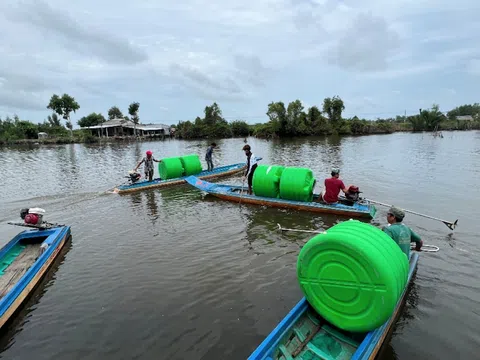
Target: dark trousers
{"points": [[209, 163], [149, 175]]}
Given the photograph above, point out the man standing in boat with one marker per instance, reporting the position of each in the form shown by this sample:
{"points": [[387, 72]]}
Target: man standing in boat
{"points": [[251, 166], [400, 232], [148, 161], [208, 156], [333, 186]]}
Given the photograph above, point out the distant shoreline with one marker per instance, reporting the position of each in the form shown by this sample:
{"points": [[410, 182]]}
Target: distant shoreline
{"points": [[95, 140]]}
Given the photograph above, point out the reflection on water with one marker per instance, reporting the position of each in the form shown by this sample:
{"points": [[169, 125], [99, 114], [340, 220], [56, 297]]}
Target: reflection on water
{"points": [[172, 273]]}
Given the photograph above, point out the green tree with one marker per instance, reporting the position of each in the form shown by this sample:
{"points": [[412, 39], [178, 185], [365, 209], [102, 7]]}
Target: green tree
{"points": [[91, 120], [54, 120], [333, 107], [316, 121], [133, 111], [296, 119], [240, 128], [213, 115], [278, 117], [114, 113], [63, 106], [432, 118], [463, 110]]}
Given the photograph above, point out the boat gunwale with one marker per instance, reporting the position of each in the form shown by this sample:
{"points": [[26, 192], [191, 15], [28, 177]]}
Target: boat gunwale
{"points": [[225, 192], [368, 348], [157, 183], [36, 270]]}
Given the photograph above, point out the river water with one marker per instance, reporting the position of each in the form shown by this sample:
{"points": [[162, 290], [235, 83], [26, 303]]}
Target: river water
{"points": [[172, 274]]}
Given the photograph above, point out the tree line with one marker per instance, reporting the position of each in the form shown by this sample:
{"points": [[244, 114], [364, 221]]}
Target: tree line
{"points": [[12, 129], [65, 104], [283, 121], [295, 120]]}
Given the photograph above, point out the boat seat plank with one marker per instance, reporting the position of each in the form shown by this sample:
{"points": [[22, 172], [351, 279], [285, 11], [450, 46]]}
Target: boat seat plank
{"points": [[13, 273]]}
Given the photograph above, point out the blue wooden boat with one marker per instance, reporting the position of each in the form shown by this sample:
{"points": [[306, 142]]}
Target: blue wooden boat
{"points": [[219, 172], [303, 334], [24, 261], [361, 209]]}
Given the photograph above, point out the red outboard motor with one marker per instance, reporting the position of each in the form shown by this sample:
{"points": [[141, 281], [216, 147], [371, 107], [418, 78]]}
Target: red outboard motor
{"points": [[353, 193], [32, 219], [33, 216]]}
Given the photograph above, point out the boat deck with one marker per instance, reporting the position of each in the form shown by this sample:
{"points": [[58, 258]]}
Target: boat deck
{"points": [[18, 267]]}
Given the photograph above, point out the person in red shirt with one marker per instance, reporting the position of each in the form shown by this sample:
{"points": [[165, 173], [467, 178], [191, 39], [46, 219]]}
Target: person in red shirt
{"points": [[333, 186]]}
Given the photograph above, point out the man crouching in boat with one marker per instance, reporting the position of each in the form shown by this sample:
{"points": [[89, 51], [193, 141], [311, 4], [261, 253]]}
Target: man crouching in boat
{"points": [[251, 166], [148, 161], [332, 189], [400, 232]]}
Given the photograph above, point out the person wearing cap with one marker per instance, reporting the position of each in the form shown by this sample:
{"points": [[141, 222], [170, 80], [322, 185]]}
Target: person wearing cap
{"points": [[251, 166], [148, 161], [332, 189], [208, 156], [400, 232]]}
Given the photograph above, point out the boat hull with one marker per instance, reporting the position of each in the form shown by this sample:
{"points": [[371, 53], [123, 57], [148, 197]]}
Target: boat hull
{"points": [[12, 301], [367, 348], [219, 172], [238, 194]]}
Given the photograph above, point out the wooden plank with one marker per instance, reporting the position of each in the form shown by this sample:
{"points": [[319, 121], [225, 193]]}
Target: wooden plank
{"points": [[18, 268], [31, 285]]}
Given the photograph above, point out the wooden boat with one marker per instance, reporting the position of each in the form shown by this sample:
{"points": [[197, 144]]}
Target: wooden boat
{"points": [[24, 261], [304, 334], [363, 209], [219, 172]]}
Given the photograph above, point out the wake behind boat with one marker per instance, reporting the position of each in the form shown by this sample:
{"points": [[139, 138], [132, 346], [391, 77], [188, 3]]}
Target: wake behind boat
{"points": [[26, 258], [359, 209]]}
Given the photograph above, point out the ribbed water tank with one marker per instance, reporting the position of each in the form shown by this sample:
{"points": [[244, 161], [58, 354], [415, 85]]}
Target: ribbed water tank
{"points": [[191, 164], [353, 275], [266, 180], [170, 168], [297, 184]]}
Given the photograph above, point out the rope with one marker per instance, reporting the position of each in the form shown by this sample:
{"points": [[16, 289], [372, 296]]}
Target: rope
{"points": [[425, 247]]}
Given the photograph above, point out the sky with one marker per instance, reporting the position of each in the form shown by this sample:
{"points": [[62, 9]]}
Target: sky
{"points": [[383, 58]]}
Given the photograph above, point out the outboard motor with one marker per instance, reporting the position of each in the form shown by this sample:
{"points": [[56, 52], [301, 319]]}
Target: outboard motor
{"points": [[134, 176], [353, 193], [33, 216], [23, 213]]}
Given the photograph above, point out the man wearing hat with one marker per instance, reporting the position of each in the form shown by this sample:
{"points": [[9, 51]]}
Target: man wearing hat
{"points": [[333, 186], [400, 232]]}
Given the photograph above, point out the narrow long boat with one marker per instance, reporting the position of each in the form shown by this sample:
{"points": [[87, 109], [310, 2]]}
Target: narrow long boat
{"points": [[304, 334], [362, 209], [219, 172], [24, 261]]}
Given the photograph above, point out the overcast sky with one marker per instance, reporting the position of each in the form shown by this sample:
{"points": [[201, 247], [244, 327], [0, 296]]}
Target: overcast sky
{"points": [[175, 57]]}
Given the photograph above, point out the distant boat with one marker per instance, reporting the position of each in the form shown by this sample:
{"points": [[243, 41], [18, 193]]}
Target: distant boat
{"points": [[304, 334], [218, 172], [25, 260], [363, 209]]}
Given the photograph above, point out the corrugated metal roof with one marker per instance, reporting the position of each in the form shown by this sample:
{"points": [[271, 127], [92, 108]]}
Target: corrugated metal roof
{"points": [[128, 124], [465, 117]]}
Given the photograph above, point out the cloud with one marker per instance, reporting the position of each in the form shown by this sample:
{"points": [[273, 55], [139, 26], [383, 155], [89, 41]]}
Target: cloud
{"points": [[59, 24], [380, 57], [365, 45]]}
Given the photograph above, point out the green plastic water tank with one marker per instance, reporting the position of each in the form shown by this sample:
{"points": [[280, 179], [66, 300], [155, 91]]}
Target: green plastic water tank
{"points": [[297, 184], [353, 275], [399, 259], [266, 180], [191, 164], [170, 168]]}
